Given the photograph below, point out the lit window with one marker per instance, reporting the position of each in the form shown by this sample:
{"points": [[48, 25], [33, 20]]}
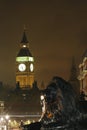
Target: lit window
{"points": [[24, 45]]}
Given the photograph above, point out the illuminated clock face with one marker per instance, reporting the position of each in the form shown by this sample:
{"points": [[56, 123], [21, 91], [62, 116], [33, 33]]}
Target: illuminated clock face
{"points": [[31, 67], [22, 67]]}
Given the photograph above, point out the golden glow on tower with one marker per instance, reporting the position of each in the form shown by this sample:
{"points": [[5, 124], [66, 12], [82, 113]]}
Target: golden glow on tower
{"points": [[83, 76], [24, 65]]}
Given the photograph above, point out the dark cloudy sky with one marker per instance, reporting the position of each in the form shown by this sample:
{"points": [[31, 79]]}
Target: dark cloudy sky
{"points": [[56, 30]]}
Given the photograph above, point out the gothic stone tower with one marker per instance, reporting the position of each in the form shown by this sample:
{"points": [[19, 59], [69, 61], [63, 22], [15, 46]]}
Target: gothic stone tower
{"points": [[74, 79], [24, 65]]}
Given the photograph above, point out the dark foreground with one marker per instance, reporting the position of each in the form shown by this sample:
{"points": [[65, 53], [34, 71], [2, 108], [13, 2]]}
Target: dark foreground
{"points": [[81, 125], [59, 108]]}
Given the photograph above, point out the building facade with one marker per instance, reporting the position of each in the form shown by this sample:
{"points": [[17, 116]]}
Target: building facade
{"points": [[24, 65], [83, 76]]}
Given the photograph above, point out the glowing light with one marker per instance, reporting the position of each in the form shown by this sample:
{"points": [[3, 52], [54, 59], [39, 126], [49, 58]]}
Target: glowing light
{"points": [[42, 97], [2, 119], [7, 117], [22, 67], [25, 58], [31, 59], [24, 46], [31, 67]]}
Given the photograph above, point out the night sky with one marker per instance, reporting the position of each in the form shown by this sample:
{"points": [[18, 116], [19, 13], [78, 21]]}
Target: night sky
{"points": [[56, 31]]}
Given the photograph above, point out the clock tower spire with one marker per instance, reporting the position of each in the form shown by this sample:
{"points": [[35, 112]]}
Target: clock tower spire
{"points": [[24, 38], [24, 64]]}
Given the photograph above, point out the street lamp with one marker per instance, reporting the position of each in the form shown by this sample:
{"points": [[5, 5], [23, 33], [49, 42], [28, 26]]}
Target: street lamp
{"points": [[7, 118]]}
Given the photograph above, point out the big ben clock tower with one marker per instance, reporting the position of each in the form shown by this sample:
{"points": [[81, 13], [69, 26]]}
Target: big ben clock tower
{"points": [[24, 65]]}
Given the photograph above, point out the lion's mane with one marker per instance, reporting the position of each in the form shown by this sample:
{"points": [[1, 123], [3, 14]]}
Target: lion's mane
{"points": [[60, 102]]}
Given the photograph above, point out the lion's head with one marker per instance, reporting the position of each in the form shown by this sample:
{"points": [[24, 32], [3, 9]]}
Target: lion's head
{"points": [[58, 102]]}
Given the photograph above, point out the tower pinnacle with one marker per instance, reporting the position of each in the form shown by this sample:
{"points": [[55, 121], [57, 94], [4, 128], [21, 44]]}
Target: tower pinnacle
{"points": [[73, 75], [24, 37]]}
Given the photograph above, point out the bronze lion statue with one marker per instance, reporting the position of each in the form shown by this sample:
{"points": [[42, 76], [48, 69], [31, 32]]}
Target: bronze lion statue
{"points": [[58, 104], [59, 108]]}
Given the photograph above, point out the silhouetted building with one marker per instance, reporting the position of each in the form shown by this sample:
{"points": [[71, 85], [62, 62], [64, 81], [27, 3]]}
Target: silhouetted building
{"points": [[74, 80], [1, 84], [1, 107], [23, 101]]}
